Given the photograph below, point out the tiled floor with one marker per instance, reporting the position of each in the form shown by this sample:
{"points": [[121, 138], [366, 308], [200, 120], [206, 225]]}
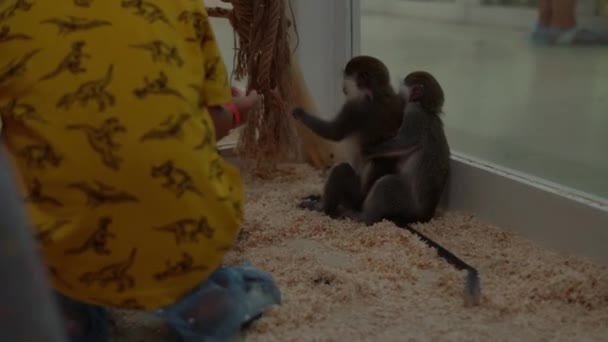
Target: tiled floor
{"points": [[541, 111]]}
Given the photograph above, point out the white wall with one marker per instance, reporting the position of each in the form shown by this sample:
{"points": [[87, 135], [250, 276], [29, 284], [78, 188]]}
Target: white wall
{"points": [[325, 47]]}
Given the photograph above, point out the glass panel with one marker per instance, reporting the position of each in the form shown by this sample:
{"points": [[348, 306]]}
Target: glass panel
{"points": [[541, 110]]}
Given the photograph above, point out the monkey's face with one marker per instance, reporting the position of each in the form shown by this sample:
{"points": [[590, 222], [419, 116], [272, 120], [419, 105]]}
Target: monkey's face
{"points": [[368, 75], [414, 92], [351, 90], [422, 87]]}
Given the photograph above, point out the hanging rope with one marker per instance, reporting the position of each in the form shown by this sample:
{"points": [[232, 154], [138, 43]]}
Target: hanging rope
{"points": [[263, 56]]}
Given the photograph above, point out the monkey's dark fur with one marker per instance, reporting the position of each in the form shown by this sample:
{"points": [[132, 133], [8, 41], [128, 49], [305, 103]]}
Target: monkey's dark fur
{"points": [[397, 174], [372, 116], [422, 152]]}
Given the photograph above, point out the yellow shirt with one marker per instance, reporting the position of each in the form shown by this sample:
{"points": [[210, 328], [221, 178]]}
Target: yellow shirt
{"points": [[131, 202]]}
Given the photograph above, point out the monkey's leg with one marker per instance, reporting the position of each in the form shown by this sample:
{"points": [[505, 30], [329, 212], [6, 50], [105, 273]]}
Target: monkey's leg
{"points": [[343, 187], [389, 197]]}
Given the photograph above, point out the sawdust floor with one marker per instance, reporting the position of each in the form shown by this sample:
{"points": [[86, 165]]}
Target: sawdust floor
{"points": [[345, 282]]}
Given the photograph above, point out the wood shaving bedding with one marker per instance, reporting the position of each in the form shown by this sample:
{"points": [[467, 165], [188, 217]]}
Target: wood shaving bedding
{"points": [[342, 281]]}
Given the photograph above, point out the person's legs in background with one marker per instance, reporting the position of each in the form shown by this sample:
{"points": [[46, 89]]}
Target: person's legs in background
{"points": [[542, 31], [563, 14], [544, 13], [557, 25]]}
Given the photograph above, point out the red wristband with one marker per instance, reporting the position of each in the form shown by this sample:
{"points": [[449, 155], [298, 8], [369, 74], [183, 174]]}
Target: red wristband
{"points": [[235, 113]]}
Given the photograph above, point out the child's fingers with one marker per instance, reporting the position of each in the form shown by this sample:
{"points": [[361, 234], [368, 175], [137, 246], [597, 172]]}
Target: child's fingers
{"points": [[235, 91], [254, 96]]}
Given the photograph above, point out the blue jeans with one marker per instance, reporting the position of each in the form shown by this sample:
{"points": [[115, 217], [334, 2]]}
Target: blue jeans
{"points": [[217, 310]]}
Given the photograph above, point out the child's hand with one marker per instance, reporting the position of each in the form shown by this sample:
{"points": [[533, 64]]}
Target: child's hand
{"points": [[245, 103]]}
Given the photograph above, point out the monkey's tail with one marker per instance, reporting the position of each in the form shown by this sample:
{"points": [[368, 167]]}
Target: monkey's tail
{"points": [[472, 286]]}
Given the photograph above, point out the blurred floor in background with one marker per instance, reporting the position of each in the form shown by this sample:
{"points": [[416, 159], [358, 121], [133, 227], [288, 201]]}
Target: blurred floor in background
{"points": [[541, 111]]}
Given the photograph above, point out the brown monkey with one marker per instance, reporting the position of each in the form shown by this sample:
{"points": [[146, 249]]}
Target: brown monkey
{"points": [[422, 153], [371, 114]]}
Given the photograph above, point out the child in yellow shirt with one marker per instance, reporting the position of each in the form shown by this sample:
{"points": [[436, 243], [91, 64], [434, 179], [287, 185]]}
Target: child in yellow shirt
{"points": [[111, 110]]}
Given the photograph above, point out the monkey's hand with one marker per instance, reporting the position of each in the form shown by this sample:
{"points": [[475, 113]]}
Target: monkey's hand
{"points": [[334, 130], [312, 202], [312, 198]]}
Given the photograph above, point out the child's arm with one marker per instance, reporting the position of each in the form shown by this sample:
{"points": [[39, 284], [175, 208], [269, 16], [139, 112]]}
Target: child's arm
{"points": [[224, 119]]}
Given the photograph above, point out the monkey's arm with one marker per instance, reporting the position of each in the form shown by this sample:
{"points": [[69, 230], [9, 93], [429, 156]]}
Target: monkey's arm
{"points": [[407, 141], [223, 118], [390, 149], [223, 121], [349, 119]]}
